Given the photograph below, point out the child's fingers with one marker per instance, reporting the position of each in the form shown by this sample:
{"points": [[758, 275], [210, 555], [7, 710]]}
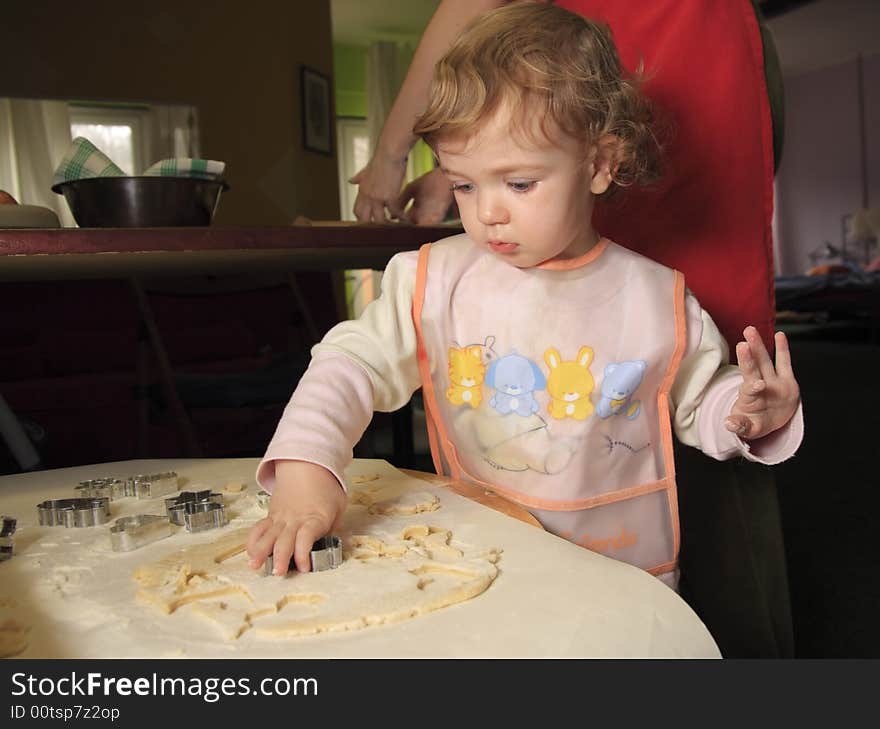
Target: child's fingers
{"points": [[747, 364], [759, 352], [750, 390], [309, 532], [738, 424], [261, 542], [283, 551], [783, 356], [254, 535]]}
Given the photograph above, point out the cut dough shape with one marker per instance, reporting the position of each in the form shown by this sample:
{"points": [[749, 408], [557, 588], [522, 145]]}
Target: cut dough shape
{"points": [[384, 578], [234, 487], [394, 499], [366, 478]]}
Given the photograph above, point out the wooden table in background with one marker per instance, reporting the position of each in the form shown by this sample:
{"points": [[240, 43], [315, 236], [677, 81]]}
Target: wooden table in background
{"points": [[89, 253], [136, 254]]}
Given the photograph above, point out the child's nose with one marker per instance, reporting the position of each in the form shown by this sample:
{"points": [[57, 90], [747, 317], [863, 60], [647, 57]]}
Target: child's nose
{"points": [[491, 211]]}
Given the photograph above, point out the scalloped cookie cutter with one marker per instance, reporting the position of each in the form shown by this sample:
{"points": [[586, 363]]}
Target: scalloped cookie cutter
{"points": [[144, 486], [77, 512], [111, 488], [155, 484]]}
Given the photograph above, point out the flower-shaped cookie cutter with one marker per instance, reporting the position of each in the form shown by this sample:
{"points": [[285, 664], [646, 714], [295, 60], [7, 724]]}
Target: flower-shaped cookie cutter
{"points": [[175, 507], [199, 516]]}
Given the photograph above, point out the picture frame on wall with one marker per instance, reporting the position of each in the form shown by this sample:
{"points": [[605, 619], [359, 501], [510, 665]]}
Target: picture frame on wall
{"points": [[316, 122]]}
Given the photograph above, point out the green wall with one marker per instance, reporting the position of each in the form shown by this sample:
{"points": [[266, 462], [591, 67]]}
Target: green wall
{"points": [[350, 78], [349, 73]]}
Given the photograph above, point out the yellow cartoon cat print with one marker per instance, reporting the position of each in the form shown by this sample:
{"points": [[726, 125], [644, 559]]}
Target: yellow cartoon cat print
{"points": [[570, 384], [466, 375]]}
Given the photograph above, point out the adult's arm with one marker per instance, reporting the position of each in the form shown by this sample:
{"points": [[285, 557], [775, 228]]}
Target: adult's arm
{"points": [[380, 181]]}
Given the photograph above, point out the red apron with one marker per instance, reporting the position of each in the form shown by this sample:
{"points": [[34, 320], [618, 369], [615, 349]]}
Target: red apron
{"points": [[711, 216]]}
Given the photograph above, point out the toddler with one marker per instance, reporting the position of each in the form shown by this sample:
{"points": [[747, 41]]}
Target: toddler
{"points": [[555, 364]]}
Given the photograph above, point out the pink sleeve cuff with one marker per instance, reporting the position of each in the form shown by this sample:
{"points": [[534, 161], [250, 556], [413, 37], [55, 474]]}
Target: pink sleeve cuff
{"points": [[719, 443], [327, 414], [266, 470]]}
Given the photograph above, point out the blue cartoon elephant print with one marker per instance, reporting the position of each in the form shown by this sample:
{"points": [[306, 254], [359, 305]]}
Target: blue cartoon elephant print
{"points": [[515, 378]]}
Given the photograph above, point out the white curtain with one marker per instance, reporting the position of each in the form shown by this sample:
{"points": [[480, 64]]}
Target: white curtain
{"points": [[34, 137], [171, 131], [384, 76]]}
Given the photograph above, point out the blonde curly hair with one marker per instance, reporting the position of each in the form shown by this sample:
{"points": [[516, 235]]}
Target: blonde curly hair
{"points": [[532, 55]]}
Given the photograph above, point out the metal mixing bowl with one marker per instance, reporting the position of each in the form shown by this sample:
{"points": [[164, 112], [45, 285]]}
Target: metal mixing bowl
{"points": [[141, 202]]}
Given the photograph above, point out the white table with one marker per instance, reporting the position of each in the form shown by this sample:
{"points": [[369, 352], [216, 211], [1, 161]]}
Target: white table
{"points": [[551, 597]]}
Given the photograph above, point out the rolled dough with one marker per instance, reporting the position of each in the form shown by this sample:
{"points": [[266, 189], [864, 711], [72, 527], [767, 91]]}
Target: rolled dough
{"points": [[383, 578], [392, 570]]}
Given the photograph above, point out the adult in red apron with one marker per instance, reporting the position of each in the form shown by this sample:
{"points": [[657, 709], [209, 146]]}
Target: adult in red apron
{"points": [[704, 62]]}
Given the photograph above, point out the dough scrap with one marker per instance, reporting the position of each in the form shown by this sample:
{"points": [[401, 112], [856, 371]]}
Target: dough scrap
{"points": [[384, 578], [365, 478], [394, 499]]}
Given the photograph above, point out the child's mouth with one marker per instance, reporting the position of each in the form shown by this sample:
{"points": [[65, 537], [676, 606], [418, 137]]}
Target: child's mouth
{"points": [[499, 246]]}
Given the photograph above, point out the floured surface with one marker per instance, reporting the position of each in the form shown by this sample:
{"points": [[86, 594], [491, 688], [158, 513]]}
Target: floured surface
{"points": [[548, 598], [14, 628]]}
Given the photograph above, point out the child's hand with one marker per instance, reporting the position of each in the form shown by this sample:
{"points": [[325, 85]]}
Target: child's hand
{"points": [[768, 396], [306, 504]]}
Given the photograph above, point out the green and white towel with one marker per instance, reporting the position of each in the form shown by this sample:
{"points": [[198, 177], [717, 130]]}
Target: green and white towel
{"points": [[205, 169], [84, 159]]}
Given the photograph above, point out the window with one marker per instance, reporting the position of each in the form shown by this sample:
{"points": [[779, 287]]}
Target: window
{"points": [[137, 136], [353, 145], [118, 132]]}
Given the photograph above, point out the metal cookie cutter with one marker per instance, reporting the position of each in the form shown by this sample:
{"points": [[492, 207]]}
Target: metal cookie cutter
{"points": [[263, 499], [153, 485], [175, 507], [326, 554], [7, 529], [80, 512], [112, 488], [133, 532], [199, 516]]}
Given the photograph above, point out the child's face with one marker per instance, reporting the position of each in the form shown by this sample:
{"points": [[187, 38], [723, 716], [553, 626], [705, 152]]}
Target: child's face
{"points": [[526, 201]]}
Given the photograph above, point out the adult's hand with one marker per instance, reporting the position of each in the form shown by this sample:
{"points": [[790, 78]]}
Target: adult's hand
{"points": [[431, 197], [379, 187]]}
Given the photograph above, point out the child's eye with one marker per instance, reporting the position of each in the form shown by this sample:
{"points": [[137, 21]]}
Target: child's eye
{"points": [[462, 187], [521, 185]]}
